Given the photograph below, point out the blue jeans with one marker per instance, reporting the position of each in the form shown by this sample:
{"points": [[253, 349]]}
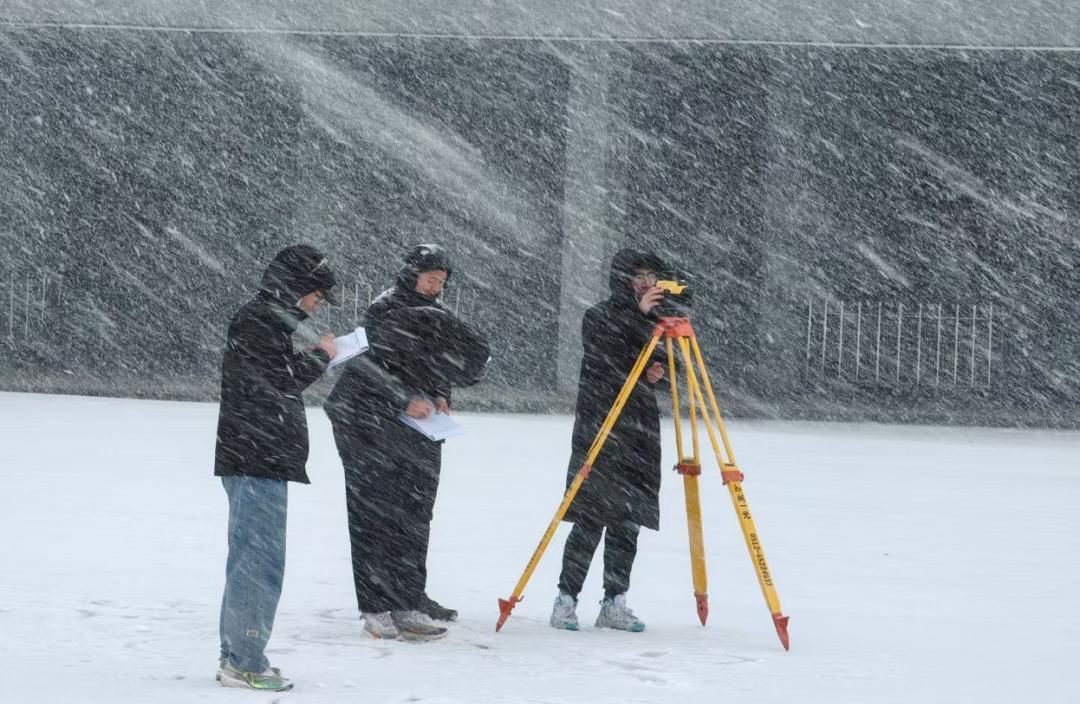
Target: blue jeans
{"points": [[254, 570]]}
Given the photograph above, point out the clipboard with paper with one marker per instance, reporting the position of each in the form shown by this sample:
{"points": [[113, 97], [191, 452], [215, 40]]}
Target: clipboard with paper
{"points": [[348, 346], [435, 426]]}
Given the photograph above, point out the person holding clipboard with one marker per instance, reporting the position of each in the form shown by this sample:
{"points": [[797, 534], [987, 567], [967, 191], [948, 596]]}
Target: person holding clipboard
{"points": [[418, 351], [261, 446]]}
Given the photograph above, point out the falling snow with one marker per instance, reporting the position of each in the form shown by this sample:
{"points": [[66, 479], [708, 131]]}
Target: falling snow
{"points": [[873, 205]]}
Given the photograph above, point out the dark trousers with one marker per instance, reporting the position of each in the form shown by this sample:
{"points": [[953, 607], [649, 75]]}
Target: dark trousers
{"points": [[391, 480], [389, 551], [620, 549]]}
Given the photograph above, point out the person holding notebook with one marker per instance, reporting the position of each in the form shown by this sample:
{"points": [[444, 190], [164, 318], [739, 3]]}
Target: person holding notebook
{"points": [[261, 446], [392, 470]]}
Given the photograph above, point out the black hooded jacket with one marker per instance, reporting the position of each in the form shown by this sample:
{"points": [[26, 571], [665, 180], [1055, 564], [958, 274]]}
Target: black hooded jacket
{"points": [[391, 466], [624, 485], [377, 385], [262, 426], [418, 347]]}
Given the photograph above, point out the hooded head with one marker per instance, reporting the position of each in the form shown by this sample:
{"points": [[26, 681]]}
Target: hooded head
{"points": [[421, 259], [297, 271], [624, 266]]}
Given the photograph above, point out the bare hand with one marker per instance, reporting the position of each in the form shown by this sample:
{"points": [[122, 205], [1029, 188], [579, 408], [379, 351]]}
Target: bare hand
{"points": [[442, 406], [326, 343], [654, 373], [650, 299], [419, 407]]}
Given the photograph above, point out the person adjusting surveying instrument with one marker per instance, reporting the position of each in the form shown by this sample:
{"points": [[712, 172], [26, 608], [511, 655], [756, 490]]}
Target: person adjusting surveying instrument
{"points": [[623, 495], [668, 319]]}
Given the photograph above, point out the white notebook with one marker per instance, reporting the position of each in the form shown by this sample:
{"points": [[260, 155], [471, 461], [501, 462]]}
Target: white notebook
{"points": [[348, 346], [437, 426]]}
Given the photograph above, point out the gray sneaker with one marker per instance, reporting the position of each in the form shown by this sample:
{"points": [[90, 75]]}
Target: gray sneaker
{"points": [[614, 613], [221, 669], [414, 625], [381, 625], [270, 680], [562, 614]]}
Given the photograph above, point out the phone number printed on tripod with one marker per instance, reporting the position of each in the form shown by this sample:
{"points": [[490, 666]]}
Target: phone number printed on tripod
{"points": [[759, 555]]}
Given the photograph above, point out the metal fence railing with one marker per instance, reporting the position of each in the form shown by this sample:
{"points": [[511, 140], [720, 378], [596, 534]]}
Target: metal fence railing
{"points": [[898, 343], [357, 296], [29, 301]]}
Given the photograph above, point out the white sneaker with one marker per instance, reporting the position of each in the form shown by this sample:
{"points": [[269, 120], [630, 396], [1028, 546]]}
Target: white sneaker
{"points": [[381, 625], [563, 616], [614, 613], [415, 625]]}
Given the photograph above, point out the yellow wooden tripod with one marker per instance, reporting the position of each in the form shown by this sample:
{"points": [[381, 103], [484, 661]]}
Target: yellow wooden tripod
{"points": [[676, 331]]}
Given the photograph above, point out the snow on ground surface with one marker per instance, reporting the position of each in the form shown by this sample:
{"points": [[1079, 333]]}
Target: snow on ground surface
{"points": [[917, 564]]}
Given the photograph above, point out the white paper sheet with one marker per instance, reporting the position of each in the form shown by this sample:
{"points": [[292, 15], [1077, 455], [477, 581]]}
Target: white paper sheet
{"points": [[350, 345], [437, 426]]}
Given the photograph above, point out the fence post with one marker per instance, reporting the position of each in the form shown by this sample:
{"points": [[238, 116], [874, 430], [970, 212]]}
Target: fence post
{"points": [[956, 346], [937, 363], [899, 337], [877, 353], [840, 346], [858, 342], [974, 314], [824, 333], [918, 349]]}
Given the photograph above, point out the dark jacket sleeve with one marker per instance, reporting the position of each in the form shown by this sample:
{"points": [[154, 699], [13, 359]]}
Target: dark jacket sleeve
{"points": [[613, 339], [262, 354], [386, 385], [267, 352], [366, 386], [309, 366], [382, 388], [376, 312]]}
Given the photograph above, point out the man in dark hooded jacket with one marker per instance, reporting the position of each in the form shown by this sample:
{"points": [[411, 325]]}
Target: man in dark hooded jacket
{"points": [[622, 492], [391, 471], [262, 444]]}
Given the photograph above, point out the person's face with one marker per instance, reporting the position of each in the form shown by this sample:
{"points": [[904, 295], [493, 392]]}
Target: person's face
{"points": [[430, 283], [310, 303], [642, 280]]}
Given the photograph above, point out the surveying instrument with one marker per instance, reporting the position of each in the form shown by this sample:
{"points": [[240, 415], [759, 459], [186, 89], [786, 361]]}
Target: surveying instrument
{"points": [[674, 327]]}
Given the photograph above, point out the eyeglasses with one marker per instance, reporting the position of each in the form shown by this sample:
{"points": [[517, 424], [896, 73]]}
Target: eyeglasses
{"points": [[649, 278]]}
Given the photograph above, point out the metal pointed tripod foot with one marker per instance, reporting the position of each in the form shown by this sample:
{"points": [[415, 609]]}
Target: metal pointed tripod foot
{"points": [[702, 607], [505, 607], [780, 621]]}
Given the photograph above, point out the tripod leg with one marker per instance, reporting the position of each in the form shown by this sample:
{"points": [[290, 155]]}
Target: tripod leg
{"points": [[507, 605], [712, 403], [697, 545], [676, 410], [690, 469], [733, 480]]}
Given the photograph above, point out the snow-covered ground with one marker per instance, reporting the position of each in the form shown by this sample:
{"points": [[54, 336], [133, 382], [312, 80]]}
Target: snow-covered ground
{"points": [[917, 564]]}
